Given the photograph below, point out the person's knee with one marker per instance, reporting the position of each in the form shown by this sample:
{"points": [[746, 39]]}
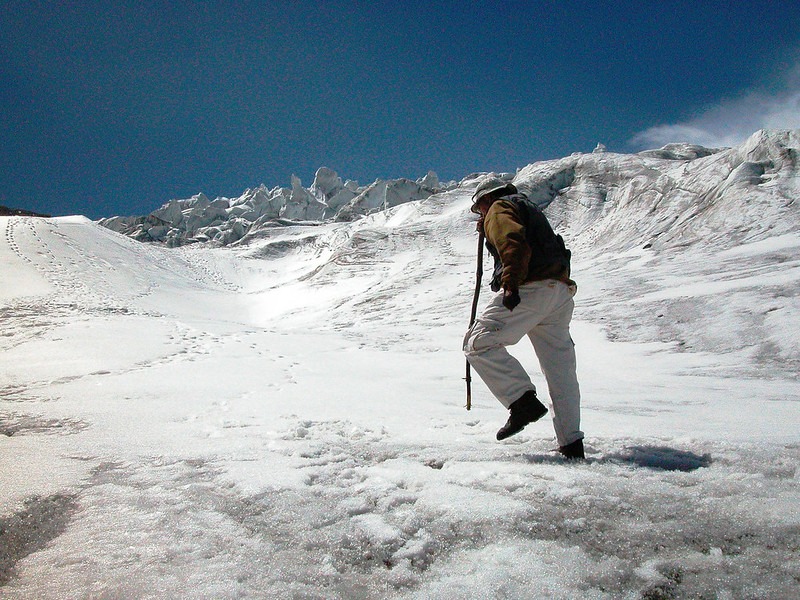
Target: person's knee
{"points": [[470, 346], [467, 347], [483, 336]]}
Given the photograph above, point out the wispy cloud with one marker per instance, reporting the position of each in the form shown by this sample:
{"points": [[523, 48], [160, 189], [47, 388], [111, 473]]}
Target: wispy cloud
{"points": [[733, 120]]}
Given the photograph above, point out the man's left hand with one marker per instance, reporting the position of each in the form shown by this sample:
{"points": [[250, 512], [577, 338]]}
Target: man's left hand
{"points": [[511, 298]]}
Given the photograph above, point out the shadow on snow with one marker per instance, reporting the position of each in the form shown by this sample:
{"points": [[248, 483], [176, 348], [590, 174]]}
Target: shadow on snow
{"points": [[662, 458]]}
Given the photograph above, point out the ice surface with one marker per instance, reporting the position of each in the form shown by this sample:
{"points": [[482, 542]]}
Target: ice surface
{"points": [[284, 418]]}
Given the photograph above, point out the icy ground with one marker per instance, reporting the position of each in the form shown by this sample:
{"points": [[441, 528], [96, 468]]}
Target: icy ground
{"points": [[286, 420]]}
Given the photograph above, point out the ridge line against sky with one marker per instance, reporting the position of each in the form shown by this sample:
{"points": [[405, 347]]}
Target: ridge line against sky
{"points": [[117, 107]]}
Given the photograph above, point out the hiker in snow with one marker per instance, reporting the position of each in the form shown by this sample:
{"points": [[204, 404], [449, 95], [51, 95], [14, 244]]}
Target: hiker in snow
{"points": [[534, 297]]}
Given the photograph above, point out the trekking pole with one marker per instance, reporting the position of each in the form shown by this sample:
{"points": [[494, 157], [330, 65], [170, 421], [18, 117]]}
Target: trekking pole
{"points": [[478, 277]]}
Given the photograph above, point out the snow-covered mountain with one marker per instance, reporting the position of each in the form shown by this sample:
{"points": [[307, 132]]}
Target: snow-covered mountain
{"points": [[284, 416], [717, 195], [228, 220], [680, 195]]}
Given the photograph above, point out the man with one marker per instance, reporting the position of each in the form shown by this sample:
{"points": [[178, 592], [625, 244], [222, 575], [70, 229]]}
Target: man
{"points": [[534, 298]]}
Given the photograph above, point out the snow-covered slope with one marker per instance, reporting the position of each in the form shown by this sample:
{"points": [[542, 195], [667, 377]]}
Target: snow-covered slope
{"points": [[283, 417], [677, 197]]}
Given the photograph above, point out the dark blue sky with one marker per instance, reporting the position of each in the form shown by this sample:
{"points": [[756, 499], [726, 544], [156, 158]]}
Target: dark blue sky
{"points": [[116, 107]]}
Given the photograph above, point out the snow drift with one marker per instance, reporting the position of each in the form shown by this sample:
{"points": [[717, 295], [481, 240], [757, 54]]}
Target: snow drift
{"points": [[283, 416]]}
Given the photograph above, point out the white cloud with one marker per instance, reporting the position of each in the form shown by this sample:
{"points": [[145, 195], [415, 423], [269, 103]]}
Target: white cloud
{"points": [[732, 121]]}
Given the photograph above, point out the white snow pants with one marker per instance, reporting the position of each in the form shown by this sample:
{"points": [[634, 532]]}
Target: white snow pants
{"points": [[544, 314]]}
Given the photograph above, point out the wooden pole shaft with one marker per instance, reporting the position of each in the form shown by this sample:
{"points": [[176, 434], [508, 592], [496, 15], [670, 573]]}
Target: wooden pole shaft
{"points": [[474, 312]]}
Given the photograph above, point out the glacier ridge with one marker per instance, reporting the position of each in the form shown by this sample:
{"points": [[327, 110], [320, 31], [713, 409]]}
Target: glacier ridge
{"points": [[680, 194], [225, 221]]}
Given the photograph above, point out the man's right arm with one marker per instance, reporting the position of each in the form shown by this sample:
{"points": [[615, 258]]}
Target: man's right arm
{"points": [[506, 233]]}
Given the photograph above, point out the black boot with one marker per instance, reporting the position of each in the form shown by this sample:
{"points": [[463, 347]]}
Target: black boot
{"points": [[525, 410], [573, 451]]}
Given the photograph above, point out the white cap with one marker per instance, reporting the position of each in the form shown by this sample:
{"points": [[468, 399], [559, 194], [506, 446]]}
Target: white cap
{"points": [[490, 185]]}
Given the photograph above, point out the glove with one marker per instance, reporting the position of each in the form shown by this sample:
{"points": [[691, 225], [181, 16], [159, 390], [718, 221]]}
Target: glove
{"points": [[510, 298]]}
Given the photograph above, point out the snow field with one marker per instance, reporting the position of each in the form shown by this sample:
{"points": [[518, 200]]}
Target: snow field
{"points": [[285, 419]]}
